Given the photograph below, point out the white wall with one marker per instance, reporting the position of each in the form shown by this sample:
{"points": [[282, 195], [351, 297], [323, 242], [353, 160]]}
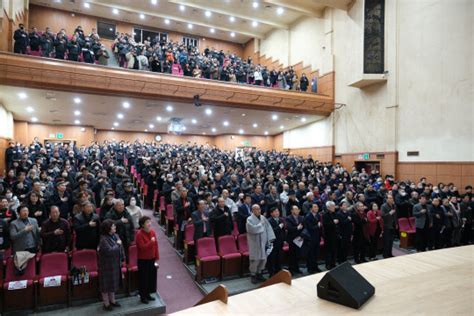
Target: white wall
{"points": [[276, 45], [6, 123], [316, 134]]}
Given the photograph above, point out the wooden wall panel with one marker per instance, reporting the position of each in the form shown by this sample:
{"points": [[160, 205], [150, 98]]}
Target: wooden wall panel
{"points": [[3, 147], [388, 164], [20, 132], [103, 135], [459, 173], [249, 48], [278, 142], [326, 84], [230, 142], [322, 154], [25, 132]]}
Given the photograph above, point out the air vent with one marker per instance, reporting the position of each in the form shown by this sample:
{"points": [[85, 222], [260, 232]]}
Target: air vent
{"points": [[413, 153], [380, 156], [337, 156], [53, 111], [56, 121]]}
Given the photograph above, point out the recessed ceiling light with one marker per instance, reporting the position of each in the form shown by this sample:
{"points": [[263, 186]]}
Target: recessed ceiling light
{"points": [[241, 131], [182, 7], [120, 116], [142, 16], [83, 129], [254, 23], [303, 119], [190, 26], [154, 2], [243, 114], [231, 19], [115, 11], [255, 125], [204, 133], [208, 111], [208, 13], [30, 109], [77, 122], [169, 108], [213, 129], [232, 34], [280, 11], [151, 126], [167, 21], [77, 100], [282, 127], [116, 124], [255, 4], [77, 113], [194, 121], [126, 105], [113, 128], [146, 130], [34, 119], [225, 123], [266, 133], [274, 117], [22, 95], [212, 30], [184, 128], [87, 5], [158, 118]]}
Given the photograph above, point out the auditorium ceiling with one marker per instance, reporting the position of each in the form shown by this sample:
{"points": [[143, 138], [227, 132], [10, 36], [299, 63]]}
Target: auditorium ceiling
{"points": [[133, 114], [233, 20]]}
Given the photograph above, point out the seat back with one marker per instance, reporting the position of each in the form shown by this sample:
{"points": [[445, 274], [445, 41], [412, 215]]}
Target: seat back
{"points": [[227, 245], [235, 230], [412, 222], [85, 258], [169, 210], [29, 272], [242, 242], [206, 247], [403, 224], [145, 189], [155, 195], [189, 232], [52, 264], [132, 256], [162, 202]]}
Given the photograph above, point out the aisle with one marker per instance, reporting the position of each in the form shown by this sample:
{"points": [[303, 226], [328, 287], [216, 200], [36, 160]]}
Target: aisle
{"points": [[175, 284]]}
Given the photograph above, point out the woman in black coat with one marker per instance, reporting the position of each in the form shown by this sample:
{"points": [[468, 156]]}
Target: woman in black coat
{"points": [[111, 256]]}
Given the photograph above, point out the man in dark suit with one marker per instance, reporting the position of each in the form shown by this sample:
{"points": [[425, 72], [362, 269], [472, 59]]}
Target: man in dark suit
{"points": [[200, 217], [21, 40], [360, 241], [183, 208], [423, 223], [390, 223], [345, 230], [273, 260], [221, 219], [312, 225], [272, 200], [331, 234], [294, 224], [245, 210]]}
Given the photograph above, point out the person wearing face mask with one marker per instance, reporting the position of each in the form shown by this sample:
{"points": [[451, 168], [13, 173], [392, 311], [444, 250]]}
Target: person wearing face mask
{"points": [[5, 212], [134, 211], [22, 40]]}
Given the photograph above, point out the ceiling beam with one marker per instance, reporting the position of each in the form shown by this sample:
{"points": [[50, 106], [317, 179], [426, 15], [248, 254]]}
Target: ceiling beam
{"points": [[230, 13], [176, 18], [299, 9]]}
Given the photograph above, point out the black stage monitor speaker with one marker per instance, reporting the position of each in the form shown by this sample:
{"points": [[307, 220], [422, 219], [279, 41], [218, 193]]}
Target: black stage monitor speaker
{"points": [[345, 286]]}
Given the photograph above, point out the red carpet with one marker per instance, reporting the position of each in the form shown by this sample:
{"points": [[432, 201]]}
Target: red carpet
{"points": [[179, 291]]}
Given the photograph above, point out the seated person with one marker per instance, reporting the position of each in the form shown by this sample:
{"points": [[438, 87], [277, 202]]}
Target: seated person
{"points": [[55, 232]]}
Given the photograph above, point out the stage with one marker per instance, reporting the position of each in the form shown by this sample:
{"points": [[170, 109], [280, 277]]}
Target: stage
{"points": [[437, 282]]}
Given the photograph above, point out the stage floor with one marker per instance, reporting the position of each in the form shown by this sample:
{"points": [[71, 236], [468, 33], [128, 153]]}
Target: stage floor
{"points": [[437, 282]]}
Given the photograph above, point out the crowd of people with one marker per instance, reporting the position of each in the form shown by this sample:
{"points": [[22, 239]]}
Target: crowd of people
{"points": [[158, 55], [49, 187]]}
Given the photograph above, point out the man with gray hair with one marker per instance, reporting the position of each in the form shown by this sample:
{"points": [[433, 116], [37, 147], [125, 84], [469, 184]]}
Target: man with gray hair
{"points": [[260, 237], [123, 222], [331, 234]]}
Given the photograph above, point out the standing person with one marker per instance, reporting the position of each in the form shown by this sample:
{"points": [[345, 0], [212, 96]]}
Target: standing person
{"points": [[345, 229], [259, 237], [123, 222], [87, 227], [273, 260], [21, 40], [24, 232], [304, 82], [148, 254], [374, 216], [423, 223], [360, 233], [55, 232], [456, 222], [294, 224], [221, 219], [111, 256], [439, 224], [135, 211], [312, 225], [331, 234], [183, 207], [243, 213], [200, 217], [389, 216]]}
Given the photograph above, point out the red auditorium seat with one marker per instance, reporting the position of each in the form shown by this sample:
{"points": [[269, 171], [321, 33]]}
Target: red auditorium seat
{"points": [[230, 256], [162, 209], [244, 251], [85, 258], [21, 298], [407, 233], [132, 269], [169, 218], [144, 192], [208, 263], [155, 199], [51, 265], [412, 222], [189, 248], [235, 230]]}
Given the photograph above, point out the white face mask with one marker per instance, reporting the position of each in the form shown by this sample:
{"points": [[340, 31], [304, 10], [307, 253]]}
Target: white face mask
{"points": [[133, 203], [9, 195]]}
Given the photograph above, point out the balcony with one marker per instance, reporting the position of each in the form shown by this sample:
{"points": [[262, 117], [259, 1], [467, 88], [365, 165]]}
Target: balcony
{"points": [[46, 73]]}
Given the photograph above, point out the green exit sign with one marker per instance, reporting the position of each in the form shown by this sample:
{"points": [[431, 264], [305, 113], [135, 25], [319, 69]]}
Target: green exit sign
{"points": [[59, 135], [365, 156]]}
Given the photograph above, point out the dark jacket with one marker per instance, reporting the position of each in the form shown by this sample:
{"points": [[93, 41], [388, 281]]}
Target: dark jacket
{"points": [[242, 215], [52, 242], [312, 230], [183, 213], [65, 208], [124, 230], [4, 235], [345, 224], [87, 237], [221, 224], [278, 231], [199, 225], [331, 230], [389, 221], [292, 227]]}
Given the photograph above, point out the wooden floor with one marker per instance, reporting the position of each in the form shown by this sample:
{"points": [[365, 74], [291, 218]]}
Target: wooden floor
{"points": [[438, 282]]}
